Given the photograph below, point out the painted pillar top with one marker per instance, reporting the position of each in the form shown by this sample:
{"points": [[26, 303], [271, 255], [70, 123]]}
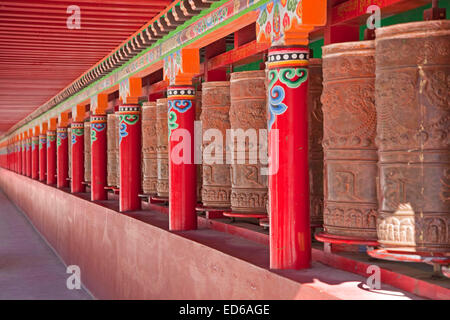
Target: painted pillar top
{"points": [[181, 66], [289, 22]]}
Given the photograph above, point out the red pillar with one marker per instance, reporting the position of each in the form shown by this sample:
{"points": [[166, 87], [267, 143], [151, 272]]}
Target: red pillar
{"points": [[24, 156], [42, 157], [290, 235], [14, 156], [182, 170], [51, 157], [77, 157], [130, 157], [98, 157], [62, 157], [19, 156], [35, 157], [29, 143]]}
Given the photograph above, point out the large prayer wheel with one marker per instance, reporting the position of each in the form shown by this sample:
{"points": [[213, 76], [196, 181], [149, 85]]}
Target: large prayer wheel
{"points": [[112, 132], [198, 111], [216, 189], [248, 113], [412, 100], [149, 146], [162, 155], [87, 152], [315, 149], [349, 121]]}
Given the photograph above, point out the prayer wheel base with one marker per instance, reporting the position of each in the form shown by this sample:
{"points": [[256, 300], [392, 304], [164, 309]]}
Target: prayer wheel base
{"points": [[439, 261], [153, 199], [158, 199], [344, 243], [114, 190], [256, 215], [211, 212]]}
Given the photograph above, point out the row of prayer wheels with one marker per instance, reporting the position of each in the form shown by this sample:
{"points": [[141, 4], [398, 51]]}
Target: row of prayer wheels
{"points": [[222, 105], [378, 140], [236, 104], [386, 138]]}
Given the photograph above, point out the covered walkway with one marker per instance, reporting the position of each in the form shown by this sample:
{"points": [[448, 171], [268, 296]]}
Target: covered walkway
{"points": [[29, 269], [124, 256]]}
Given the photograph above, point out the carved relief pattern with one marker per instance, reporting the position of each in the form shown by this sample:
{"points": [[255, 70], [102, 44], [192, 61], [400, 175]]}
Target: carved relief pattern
{"points": [[162, 187], [249, 189], [352, 221], [149, 145], [349, 130], [112, 148], [216, 189], [248, 111], [315, 141], [412, 95], [198, 111]]}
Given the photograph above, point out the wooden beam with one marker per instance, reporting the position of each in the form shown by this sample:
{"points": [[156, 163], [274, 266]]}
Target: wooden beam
{"points": [[354, 11]]}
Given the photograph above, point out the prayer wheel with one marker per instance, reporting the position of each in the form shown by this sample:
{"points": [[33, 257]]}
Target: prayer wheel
{"points": [[149, 146], [247, 117], [198, 111], [69, 136], [315, 149], [112, 147], [87, 152], [412, 101], [216, 189], [350, 154], [162, 155]]}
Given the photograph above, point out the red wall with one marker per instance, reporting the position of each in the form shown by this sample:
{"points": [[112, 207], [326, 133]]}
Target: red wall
{"points": [[124, 258]]}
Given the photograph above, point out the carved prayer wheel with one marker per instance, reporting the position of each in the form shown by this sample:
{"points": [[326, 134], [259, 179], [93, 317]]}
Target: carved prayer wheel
{"points": [[87, 151], [412, 100], [349, 122], [198, 111], [149, 146], [69, 136], [315, 141], [248, 113], [162, 156], [216, 189], [112, 147]]}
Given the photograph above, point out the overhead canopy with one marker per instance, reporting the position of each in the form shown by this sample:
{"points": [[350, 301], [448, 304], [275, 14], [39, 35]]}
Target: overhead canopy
{"points": [[40, 55]]}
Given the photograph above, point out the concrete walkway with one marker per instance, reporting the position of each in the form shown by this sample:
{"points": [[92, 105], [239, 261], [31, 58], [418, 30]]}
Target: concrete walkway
{"points": [[29, 269]]}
